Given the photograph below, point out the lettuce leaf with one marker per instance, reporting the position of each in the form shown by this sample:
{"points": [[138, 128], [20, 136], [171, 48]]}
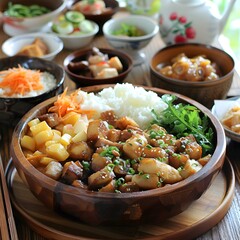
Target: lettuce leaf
{"points": [[184, 119]]}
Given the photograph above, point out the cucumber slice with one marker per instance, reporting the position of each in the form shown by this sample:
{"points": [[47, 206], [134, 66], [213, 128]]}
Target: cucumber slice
{"points": [[74, 16], [86, 26], [63, 27]]}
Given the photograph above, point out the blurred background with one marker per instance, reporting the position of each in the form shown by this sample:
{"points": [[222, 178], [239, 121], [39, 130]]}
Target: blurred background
{"points": [[230, 38], [231, 32]]}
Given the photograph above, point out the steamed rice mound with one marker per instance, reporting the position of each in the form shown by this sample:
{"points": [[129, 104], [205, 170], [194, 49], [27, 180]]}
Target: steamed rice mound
{"points": [[125, 100]]}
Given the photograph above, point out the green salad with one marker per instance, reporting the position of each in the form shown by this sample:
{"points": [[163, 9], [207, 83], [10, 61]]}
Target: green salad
{"points": [[129, 31], [21, 11]]}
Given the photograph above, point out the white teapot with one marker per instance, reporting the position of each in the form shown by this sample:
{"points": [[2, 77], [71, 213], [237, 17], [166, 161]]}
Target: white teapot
{"points": [[191, 21]]}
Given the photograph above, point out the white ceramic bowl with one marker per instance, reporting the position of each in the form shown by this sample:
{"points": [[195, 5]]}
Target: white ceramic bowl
{"points": [[12, 45], [144, 23], [73, 42], [12, 25], [220, 109]]}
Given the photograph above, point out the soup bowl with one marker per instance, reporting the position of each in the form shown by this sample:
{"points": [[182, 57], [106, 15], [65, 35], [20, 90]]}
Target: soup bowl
{"points": [[203, 91]]}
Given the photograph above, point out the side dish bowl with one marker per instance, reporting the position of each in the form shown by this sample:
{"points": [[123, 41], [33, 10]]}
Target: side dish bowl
{"points": [[14, 25], [12, 109], [131, 44], [204, 92], [13, 45], [74, 42], [112, 208], [82, 80]]}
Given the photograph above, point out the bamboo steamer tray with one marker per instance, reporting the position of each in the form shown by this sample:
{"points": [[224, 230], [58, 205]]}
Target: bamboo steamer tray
{"points": [[200, 217]]}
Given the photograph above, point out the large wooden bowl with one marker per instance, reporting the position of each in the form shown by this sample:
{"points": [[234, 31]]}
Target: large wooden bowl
{"points": [[111, 208]]}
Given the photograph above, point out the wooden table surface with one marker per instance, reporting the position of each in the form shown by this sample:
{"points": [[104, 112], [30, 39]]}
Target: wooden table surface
{"points": [[229, 226]]}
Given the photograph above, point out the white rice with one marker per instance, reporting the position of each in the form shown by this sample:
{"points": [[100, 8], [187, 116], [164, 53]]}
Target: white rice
{"points": [[125, 100], [47, 79]]}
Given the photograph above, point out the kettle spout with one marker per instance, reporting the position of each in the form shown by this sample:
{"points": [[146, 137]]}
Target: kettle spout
{"points": [[226, 14]]}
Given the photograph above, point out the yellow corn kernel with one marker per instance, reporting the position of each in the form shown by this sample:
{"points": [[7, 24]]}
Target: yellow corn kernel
{"points": [[50, 142], [56, 135], [28, 143], [69, 129], [80, 136], [43, 136], [35, 129], [65, 139], [70, 118], [57, 151], [33, 122], [46, 160]]}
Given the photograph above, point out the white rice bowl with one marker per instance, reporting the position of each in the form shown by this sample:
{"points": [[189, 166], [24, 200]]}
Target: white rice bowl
{"points": [[47, 80], [125, 100]]}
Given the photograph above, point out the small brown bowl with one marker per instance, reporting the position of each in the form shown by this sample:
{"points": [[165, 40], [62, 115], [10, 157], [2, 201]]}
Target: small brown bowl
{"points": [[12, 109], [204, 92], [82, 81], [111, 208], [100, 19]]}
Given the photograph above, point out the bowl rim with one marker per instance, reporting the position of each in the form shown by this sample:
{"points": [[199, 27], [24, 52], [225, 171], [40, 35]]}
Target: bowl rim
{"points": [[50, 90], [110, 36], [191, 83], [19, 20], [49, 182], [85, 35], [78, 53], [33, 35]]}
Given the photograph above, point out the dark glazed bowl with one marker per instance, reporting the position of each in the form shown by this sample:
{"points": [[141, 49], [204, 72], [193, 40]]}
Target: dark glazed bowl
{"points": [[111, 208], [82, 81], [100, 19], [12, 109], [204, 92]]}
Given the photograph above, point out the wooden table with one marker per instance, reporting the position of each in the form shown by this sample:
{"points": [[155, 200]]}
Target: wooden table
{"points": [[229, 227]]}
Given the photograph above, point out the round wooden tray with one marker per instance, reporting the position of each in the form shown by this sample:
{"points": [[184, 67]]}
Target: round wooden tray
{"points": [[200, 217]]}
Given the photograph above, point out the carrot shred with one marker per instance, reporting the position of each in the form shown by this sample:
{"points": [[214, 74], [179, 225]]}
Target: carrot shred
{"points": [[20, 80], [69, 103]]}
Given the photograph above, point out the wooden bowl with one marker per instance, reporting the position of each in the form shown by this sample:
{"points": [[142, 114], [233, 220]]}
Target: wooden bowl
{"points": [[82, 80], [12, 109], [110, 208], [204, 92]]}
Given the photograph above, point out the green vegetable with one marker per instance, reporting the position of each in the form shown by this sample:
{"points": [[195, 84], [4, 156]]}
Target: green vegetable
{"points": [[182, 120], [63, 27], [20, 10], [128, 30], [108, 152], [74, 16]]}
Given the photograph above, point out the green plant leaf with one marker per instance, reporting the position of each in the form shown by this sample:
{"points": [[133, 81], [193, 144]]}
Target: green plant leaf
{"points": [[184, 119]]}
